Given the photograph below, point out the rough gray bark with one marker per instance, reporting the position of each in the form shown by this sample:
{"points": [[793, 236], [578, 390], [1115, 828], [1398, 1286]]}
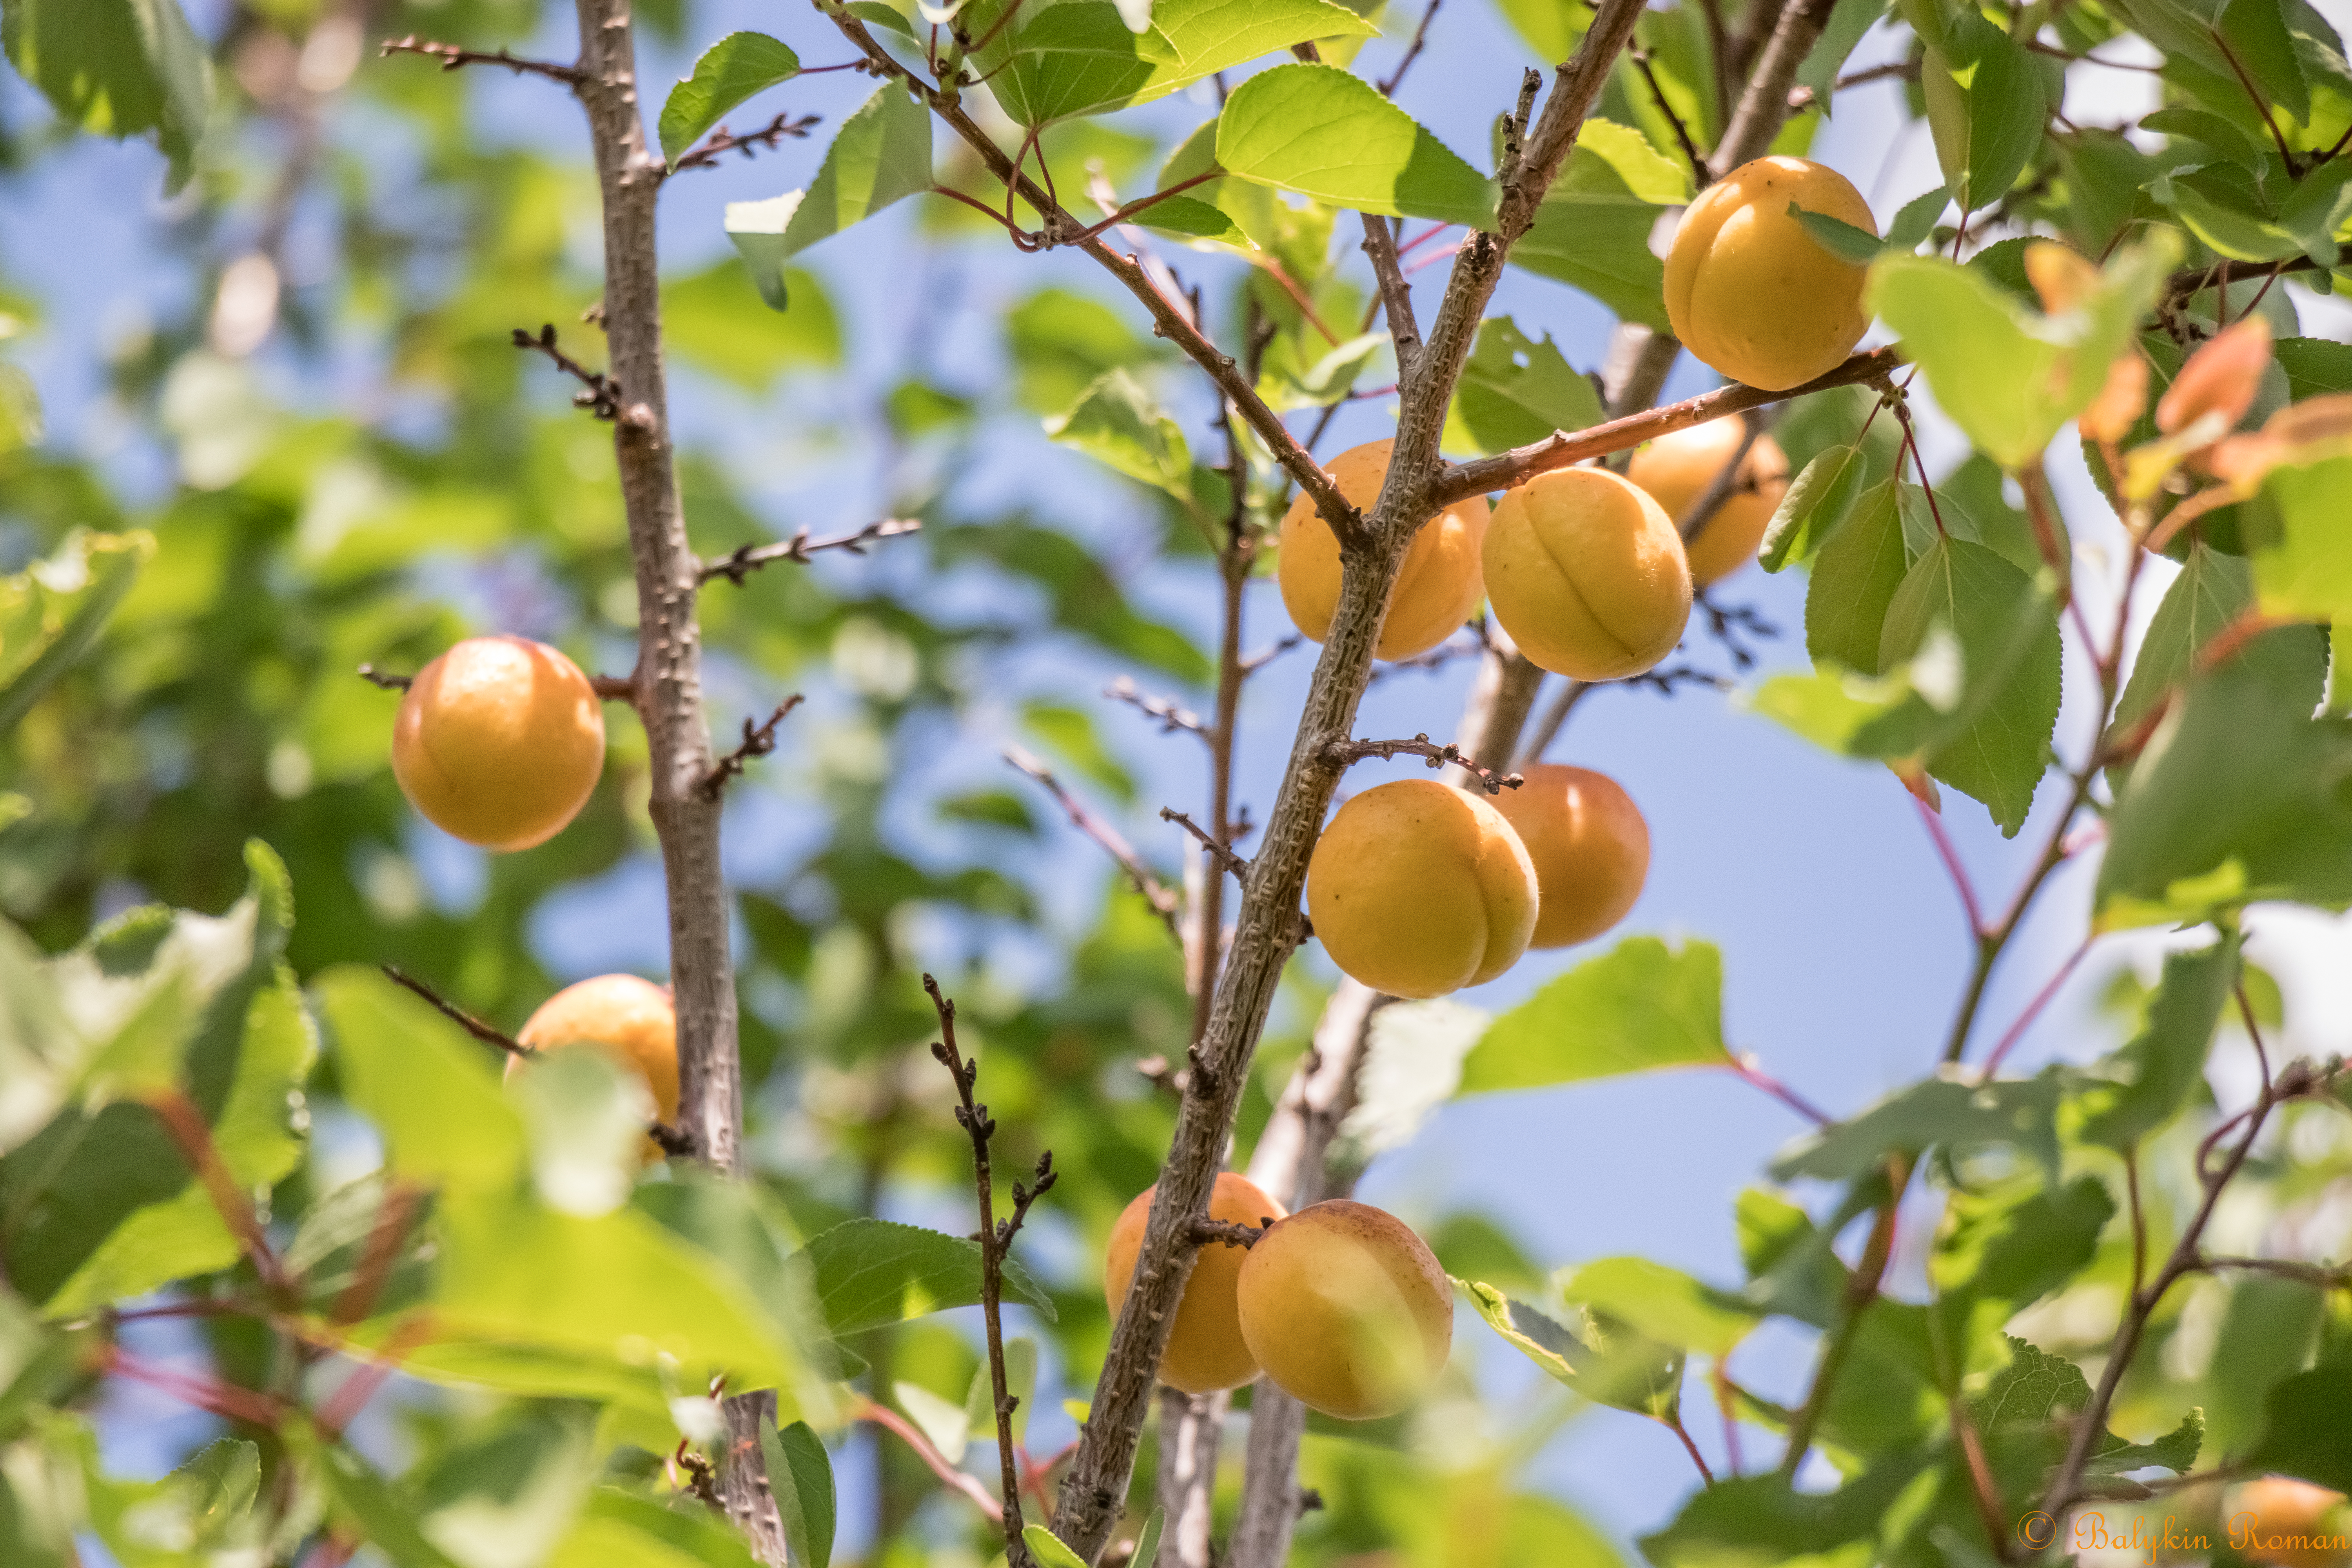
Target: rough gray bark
{"points": [[668, 677], [1189, 1427], [1094, 1491]]}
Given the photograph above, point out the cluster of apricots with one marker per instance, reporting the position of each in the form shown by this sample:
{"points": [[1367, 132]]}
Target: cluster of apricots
{"points": [[1340, 1304], [1416, 888]]}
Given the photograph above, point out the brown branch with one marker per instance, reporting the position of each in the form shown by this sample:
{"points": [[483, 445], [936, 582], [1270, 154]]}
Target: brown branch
{"points": [[958, 1481], [1205, 1231], [1221, 853], [1168, 319], [375, 677], [995, 1243], [1764, 105], [759, 740], [1347, 753], [1396, 294], [1411, 51], [1562, 449], [1172, 718], [600, 394], [1267, 654], [451, 57], [1700, 176], [1155, 892], [723, 142], [483, 1032], [745, 559]]}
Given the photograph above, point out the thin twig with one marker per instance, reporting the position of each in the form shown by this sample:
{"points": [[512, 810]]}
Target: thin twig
{"points": [[1155, 892], [451, 57], [1172, 717], [958, 1481], [745, 559], [995, 1244], [1267, 654], [375, 677], [1950, 856], [1563, 449], [1205, 1231], [1395, 293], [1411, 50], [1221, 853], [457, 1014], [1346, 753], [2042, 999], [759, 740], [599, 394], [1698, 160], [1746, 1066], [723, 142]]}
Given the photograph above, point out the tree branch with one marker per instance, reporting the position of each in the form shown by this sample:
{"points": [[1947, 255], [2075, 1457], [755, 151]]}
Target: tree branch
{"points": [[485, 1033], [1347, 753], [600, 394], [1221, 853], [1172, 717], [758, 742], [995, 1244], [451, 57], [1563, 449], [745, 559], [723, 142], [1155, 892]]}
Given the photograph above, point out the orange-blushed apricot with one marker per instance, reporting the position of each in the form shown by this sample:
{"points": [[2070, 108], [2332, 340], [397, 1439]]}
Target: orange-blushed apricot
{"points": [[1346, 1310], [1437, 589], [2289, 1522], [1676, 470], [1205, 1352], [1750, 291], [1588, 575], [1590, 846], [1417, 889], [632, 1019], [499, 741]]}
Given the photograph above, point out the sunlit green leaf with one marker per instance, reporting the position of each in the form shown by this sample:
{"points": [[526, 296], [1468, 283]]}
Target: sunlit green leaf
{"points": [[730, 70], [1328, 135], [1641, 1005]]}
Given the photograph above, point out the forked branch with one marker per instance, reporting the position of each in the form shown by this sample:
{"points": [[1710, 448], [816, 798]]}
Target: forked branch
{"points": [[758, 741], [1346, 753], [745, 559], [452, 57]]}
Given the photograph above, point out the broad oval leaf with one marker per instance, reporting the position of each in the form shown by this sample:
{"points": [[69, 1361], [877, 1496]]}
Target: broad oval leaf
{"points": [[1640, 1006], [1329, 133], [730, 71]]}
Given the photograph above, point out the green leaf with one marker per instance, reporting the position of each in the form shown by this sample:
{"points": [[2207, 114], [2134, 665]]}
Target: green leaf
{"points": [[1081, 57], [2004, 1247], [366, 1508], [1513, 390], [1916, 219], [1985, 104], [2131, 1092], [947, 1424], [426, 1085], [1193, 219], [1792, 1268], [1750, 1522], [2006, 374], [1661, 1303], [712, 320], [1608, 1363], [1849, 20], [1814, 506], [2231, 800], [117, 68], [2314, 365], [1147, 1542], [1854, 581], [1592, 229], [2302, 1433], [804, 1495], [216, 1486], [52, 611], [160, 1001], [880, 13], [870, 1272], [1948, 1111], [1118, 422], [618, 1530], [2033, 1400], [1327, 133], [1841, 239], [1997, 746], [730, 70], [1552, 29], [1047, 1549], [1020, 1386], [2303, 558], [881, 154], [1639, 1006]]}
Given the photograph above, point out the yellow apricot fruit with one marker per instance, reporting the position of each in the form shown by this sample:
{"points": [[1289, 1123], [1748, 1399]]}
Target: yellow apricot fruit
{"points": [[632, 1019], [1204, 1351], [1590, 846], [1346, 1310], [1750, 291], [1437, 589], [1676, 470], [1588, 575], [2289, 1522], [1418, 889], [500, 742]]}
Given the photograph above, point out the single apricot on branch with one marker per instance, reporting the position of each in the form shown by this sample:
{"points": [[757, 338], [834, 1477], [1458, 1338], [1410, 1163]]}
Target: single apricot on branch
{"points": [[1346, 1309], [1590, 846], [1206, 1351], [500, 742], [1417, 889], [1437, 589], [1750, 291], [630, 1019], [1588, 575], [1677, 469]]}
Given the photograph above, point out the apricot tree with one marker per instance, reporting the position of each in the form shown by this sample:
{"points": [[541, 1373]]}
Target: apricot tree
{"points": [[670, 1348]]}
